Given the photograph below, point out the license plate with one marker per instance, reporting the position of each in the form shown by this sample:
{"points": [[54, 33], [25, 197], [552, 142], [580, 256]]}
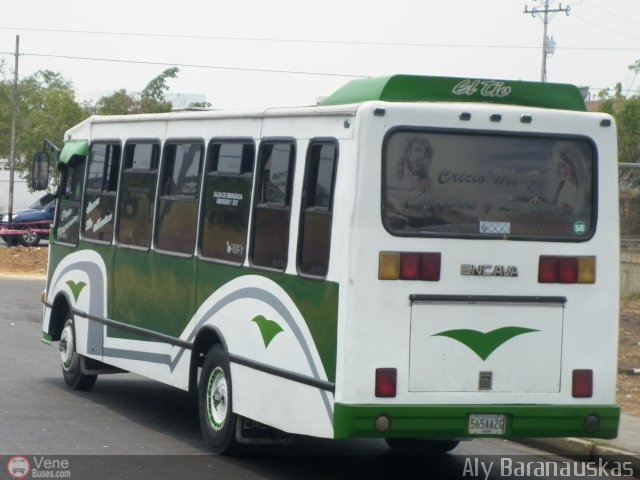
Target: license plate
{"points": [[483, 424]]}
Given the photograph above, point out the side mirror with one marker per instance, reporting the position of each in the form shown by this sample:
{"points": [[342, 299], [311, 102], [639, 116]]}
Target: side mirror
{"points": [[40, 171]]}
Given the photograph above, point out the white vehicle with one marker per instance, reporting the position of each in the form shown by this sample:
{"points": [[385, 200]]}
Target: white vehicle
{"points": [[417, 259]]}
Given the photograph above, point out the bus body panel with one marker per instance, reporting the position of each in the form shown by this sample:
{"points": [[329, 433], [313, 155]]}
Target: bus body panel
{"points": [[547, 342], [264, 331]]}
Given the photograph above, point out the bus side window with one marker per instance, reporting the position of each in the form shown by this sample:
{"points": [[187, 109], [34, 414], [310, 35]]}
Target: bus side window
{"points": [[227, 200], [68, 216], [100, 198], [317, 209], [272, 213], [178, 202], [138, 193]]}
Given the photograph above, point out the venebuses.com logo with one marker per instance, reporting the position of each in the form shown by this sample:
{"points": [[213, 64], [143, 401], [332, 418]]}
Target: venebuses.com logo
{"points": [[20, 466]]}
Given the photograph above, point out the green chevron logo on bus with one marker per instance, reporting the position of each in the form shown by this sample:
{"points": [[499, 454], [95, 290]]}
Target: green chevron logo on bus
{"points": [[484, 344], [268, 329], [76, 288]]}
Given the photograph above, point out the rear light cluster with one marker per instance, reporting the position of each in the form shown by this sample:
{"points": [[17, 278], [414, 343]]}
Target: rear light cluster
{"points": [[409, 266], [555, 269]]}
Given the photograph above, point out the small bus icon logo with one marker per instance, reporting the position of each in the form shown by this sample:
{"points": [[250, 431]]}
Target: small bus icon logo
{"points": [[18, 467]]}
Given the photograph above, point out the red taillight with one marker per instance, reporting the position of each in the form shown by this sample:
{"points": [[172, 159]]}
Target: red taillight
{"points": [[568, 270], [430, 267], [548, 270], [386, 382], [582, 384], [557, 269], [409, 266]]}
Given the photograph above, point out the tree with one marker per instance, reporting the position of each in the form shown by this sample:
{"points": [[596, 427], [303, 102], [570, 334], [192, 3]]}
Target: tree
{"points": [[118, 103], [628, 119], [150, 100], [153, 96], [46, 109], [626, 111]]}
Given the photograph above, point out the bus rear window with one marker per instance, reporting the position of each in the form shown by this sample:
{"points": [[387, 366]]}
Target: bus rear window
{"points": [[484, 185]]}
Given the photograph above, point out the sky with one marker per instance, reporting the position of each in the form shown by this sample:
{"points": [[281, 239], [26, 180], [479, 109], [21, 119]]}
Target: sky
{"points": [[261, 53]]}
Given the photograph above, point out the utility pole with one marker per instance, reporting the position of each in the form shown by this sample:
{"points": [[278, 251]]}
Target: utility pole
{"points": [[546, 14], [14, 120]]}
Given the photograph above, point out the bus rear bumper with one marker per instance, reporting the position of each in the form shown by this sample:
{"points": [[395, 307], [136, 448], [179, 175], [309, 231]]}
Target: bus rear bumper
{"points": [[452, 421]]}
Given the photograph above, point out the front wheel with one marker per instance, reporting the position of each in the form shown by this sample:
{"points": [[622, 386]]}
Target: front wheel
{"points": [[419, 446], [217, 420], [71, 365]]}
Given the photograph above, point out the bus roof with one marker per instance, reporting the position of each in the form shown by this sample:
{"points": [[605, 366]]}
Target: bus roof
{"points": [[415, 88]]}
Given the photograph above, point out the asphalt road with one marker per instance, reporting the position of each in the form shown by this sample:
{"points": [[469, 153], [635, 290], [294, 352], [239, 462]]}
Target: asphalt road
{"points": [[131, 427]]}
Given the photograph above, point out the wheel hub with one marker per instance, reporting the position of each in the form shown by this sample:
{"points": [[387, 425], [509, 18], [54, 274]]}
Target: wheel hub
{"points": [[217, 399], [66, 346]]}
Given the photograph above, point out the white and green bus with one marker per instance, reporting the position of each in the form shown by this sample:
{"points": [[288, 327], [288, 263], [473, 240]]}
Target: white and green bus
{"points": [[420, 259]]}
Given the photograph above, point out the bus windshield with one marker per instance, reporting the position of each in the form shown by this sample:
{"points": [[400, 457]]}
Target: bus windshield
{"points": [[481, 185]]}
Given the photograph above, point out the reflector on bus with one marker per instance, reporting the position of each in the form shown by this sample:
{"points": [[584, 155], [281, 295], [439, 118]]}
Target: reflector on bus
{"points": [[386, 382], [582, 384]]}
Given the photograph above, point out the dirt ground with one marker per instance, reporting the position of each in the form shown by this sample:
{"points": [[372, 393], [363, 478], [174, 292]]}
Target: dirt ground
{"points": [[20, 261], [25, 262]]}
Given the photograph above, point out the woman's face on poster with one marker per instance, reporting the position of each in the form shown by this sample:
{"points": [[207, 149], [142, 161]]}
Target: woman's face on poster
{"points": [[562, 168], [419, 159]]}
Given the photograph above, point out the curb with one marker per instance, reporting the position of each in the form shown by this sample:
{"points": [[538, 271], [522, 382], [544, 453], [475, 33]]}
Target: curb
{"points": [[580, 449]]}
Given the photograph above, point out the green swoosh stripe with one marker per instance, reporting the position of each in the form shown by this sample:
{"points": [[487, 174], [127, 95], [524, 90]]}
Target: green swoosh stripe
{"points": [[484, 344]]}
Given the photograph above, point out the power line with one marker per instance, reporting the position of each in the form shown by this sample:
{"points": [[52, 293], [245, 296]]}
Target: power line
{"points": [[310, 41], [610, 12], [193, 65], [605, 27]]}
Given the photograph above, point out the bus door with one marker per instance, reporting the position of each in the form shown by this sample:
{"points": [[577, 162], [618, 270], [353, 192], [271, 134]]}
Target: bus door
{"points": [[82, 271]]}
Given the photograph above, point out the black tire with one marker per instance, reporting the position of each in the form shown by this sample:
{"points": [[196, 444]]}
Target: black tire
{"points": [[217, 420], [70, 359], [29, 239], [419, 446]]}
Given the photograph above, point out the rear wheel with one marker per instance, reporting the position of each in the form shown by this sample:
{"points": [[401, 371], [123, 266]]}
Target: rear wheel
{"points": [[71, 360], [217, 420], [420, 446]]}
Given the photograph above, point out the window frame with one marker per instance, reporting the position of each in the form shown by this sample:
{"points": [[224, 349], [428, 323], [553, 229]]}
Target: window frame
{"points": [[306, 209], [73, 163], [258, 205], [207, 173], [124, 170], [107, 172], [160, 196], [593, 172]]}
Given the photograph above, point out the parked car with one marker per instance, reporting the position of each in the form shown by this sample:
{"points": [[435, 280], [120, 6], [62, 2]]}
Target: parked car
{"points": [[38, 215]]}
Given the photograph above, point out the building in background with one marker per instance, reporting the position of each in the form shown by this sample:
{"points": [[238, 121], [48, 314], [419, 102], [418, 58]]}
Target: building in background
{"points": [[22, 197]]}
